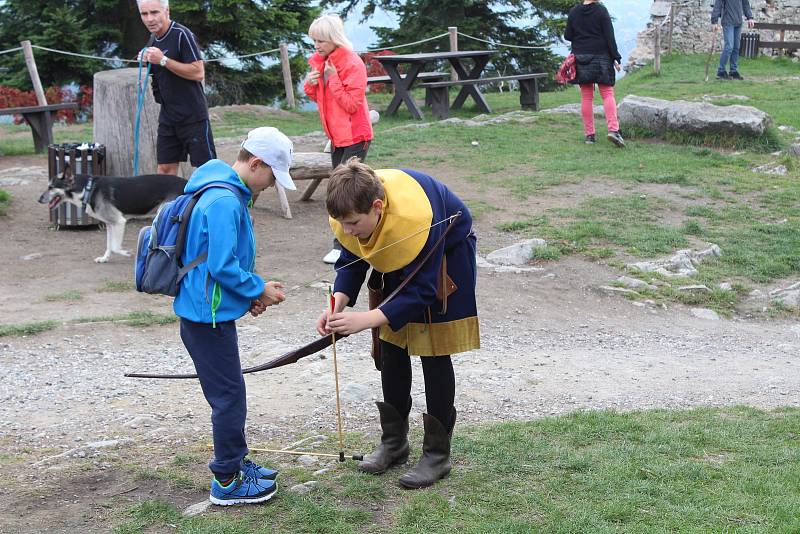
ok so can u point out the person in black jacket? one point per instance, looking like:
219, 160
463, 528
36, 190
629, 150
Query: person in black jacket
596, 57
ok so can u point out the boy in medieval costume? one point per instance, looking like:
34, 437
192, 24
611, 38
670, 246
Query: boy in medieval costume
417, 236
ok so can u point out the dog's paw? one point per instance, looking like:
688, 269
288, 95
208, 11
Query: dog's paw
124, 253
101, 259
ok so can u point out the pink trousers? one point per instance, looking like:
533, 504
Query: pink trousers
609, 107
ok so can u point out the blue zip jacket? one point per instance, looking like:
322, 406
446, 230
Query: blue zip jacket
222, 287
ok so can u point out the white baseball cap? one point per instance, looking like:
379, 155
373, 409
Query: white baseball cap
273, 148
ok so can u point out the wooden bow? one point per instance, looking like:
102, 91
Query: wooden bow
321, 343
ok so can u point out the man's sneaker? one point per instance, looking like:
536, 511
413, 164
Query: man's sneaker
253, 470
242, 490
735, 76
723, 76
332, 256
616, 138
590, 139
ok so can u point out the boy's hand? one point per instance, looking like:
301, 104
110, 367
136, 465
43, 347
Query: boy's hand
272, 294
257, 308
353, 322
322, 324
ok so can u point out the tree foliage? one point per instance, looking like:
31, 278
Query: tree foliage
112, 28
515, 22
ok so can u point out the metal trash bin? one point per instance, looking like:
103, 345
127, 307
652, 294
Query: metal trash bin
748, 47
84, 158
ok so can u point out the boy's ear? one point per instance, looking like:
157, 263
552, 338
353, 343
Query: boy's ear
377, 204
255, 162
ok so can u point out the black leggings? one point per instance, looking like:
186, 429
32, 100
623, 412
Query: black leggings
440, 383
341, 155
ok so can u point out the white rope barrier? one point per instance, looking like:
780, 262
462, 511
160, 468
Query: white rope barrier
114, 59
272, 51
264, 53
504, 44
408, 44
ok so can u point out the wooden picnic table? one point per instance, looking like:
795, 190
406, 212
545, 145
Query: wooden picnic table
40, 119
415, 62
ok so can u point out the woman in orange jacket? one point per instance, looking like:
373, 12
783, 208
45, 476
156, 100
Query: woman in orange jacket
337, 82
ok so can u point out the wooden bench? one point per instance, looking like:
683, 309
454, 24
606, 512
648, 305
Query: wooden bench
40, 119
440, 91
422, 76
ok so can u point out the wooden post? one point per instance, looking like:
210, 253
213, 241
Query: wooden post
287, 76
657, 50
453, 31
782, 36
672, 11
30, 62
284, 202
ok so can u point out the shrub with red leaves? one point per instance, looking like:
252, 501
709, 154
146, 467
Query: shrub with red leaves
374, 68
11, 97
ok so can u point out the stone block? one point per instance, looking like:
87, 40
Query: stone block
702, 117
644, 112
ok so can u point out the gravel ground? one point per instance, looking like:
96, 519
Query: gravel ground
590, 352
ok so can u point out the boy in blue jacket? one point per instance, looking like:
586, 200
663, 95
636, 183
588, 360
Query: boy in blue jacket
222, 289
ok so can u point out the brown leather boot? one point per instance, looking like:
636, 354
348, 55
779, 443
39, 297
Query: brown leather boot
393, 448
435, 461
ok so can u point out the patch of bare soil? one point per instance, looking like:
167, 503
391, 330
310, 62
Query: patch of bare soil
551, 344
252, 110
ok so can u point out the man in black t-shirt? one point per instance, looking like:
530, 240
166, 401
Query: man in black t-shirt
178, 72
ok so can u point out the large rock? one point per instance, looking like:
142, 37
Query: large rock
645, 112
702, 117
660, 116
517, 254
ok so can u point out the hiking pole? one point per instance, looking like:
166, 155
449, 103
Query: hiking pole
711, 53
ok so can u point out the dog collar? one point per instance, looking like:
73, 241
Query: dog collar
88, 191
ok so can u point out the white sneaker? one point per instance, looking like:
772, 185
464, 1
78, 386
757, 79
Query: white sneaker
332, 256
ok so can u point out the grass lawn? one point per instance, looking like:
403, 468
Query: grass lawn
705, 470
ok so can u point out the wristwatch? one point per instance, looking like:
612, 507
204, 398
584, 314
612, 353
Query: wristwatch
163, 61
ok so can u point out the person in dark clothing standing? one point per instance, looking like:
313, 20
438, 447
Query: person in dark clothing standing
729, 14
178, 72
596, 56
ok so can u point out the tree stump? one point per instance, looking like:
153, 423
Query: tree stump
115, 120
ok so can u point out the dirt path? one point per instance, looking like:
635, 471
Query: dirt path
551, 344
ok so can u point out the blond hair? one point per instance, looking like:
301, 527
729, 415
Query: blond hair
352, 188
330, 28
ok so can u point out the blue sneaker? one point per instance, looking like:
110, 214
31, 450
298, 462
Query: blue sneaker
253, 470
242, 490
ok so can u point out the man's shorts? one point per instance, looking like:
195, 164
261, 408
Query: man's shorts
175, 142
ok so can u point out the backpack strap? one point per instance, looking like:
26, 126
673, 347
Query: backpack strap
181, 239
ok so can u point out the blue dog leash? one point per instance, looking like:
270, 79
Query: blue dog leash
141, 89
